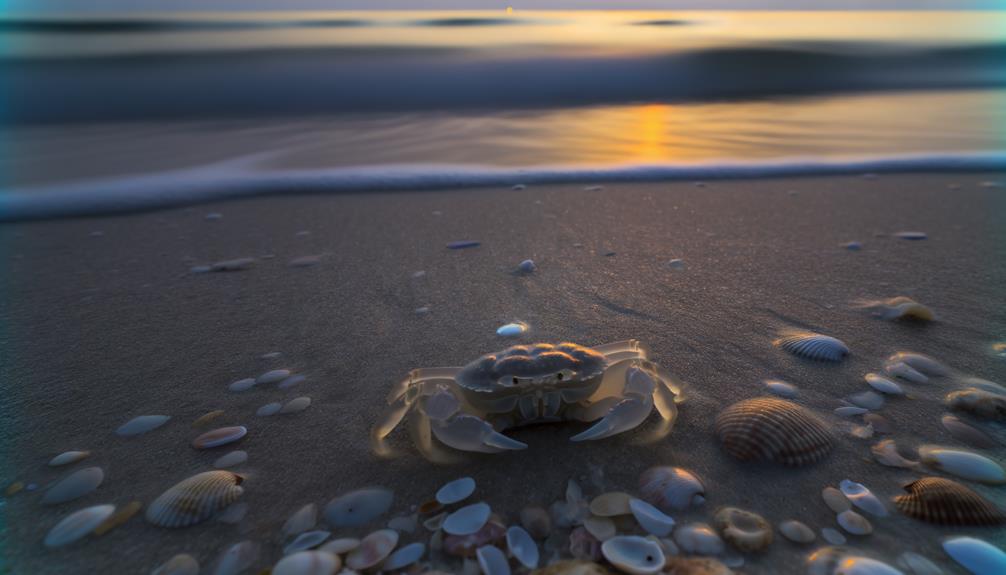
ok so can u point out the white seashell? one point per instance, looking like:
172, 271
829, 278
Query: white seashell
77, 484
886, 453
467, 520
964, 464
527, 266
236, 558
634, 554
273, 376
296, 405
512, 329
905, 371
601, 528
920, 363
269, 409
863, 498
850, 411
781, 388
219, 437
233, 514
359, 507
611, 504
671, 488
181, 564
977, 556
854, 523
698, 539
984, 385
812, 345
796, 531
522, 547
242, 385
839, 561
231, 459
291, 381
651, 519
77, 525
404, 557
340, 546
308, 563
883, 385
373, 549
455, 491
141, 424
833, 536
867, 400
435, 523
68, 457
916, 564
835, 499
195, 499
492, 561
305, 541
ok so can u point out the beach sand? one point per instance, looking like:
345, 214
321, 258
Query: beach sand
101, 327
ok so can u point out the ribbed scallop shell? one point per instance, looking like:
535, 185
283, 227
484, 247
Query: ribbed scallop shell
770, 429
812, 345
946, 502
195, 499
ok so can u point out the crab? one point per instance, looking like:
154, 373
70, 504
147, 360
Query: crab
467, 408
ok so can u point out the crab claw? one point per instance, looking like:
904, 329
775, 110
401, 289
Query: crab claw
627, 413
470, 433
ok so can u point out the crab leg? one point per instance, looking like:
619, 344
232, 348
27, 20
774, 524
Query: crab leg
627, 413
623, 350
420, 375
470, 433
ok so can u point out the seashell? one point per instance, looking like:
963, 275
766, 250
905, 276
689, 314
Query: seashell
967, 433
340, 546
77, 484
68, 457
77, 525
978, 402
305, 541
271, 355
466, 545
671, 488
404, 557
812, 345
883, 385
835, 500
527, 267
218, 437
975, 555
233, 265
850, 411
853, 246
651, 519
880, 423
308, 563
867, 400
920, 363
676, 264
236, 558
861, 497
602, 528
854, 523
121, 515
296, 405
781, 388
583, 545
634, 554
774, 430
947, 502
611, 504
195, 499
207, 417
373, 549
242, 385
291, 381
233, 514
797, 532
492, 561
357, 508
512, 329
435, 523
746, 531
839, 561
916, 564
900, 307
963, 464
273, 376
886, 453
141, 424
536, 521
522, 547
304, 261
574, 567
181, 564
833, 536
984, 384
455, 491
269, 409
231, 459
467, 520
698, 539
906, 372
695, 566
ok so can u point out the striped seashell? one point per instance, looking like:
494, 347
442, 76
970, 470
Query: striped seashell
195, 499
770, 429
812, 345
946, 502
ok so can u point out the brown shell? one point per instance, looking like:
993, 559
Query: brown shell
195, 499
946, 502
770, 429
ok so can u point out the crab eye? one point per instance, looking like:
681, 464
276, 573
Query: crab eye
515, 381
565, 374
559, 376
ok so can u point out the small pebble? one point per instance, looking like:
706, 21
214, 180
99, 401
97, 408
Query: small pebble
527, 266
853, 246
423, 310
676, 264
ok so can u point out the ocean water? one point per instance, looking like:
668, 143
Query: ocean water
121, 113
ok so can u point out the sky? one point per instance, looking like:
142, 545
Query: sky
76, 6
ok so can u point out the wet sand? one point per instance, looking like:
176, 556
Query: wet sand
99, 328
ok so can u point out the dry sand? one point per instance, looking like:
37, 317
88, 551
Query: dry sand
99, 329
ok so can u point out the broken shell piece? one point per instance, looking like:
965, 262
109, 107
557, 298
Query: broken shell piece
747, 531
651, 519
886, 453
898, 308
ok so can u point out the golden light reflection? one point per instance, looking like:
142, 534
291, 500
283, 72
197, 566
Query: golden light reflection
651, 131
